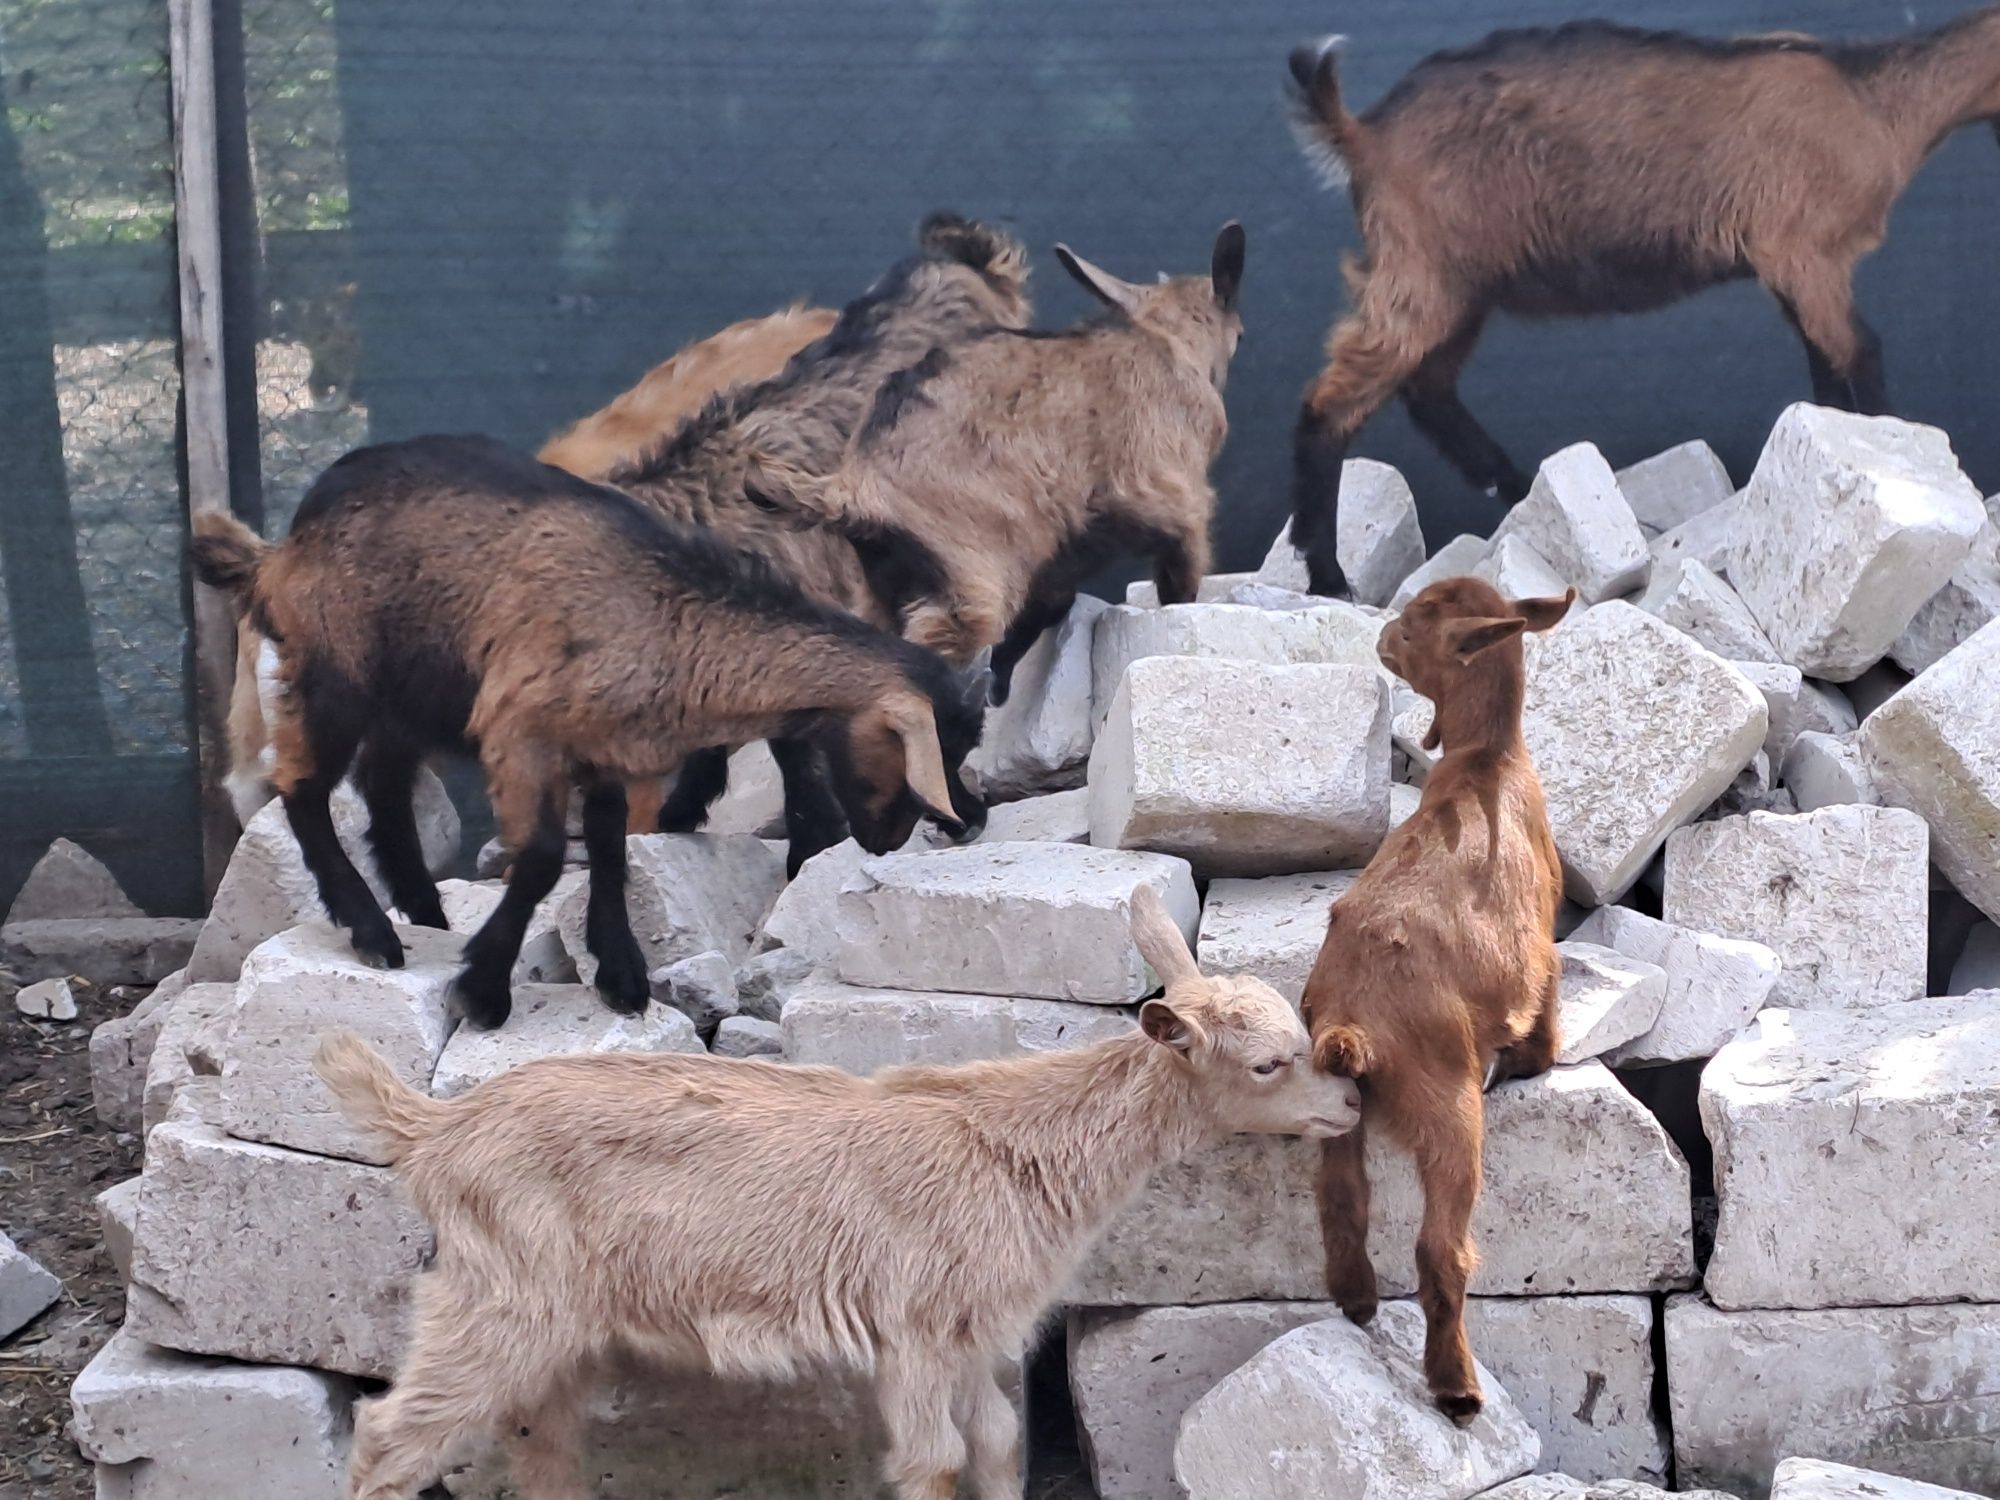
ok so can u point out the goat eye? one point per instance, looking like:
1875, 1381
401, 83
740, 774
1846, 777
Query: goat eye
1266, 1069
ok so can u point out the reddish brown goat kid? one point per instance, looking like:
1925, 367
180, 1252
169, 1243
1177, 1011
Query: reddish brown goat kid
1594, 168
1439, 964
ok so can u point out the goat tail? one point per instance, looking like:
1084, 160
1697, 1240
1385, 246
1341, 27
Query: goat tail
227, 554
371, 1095
1325, 131
1344, 1050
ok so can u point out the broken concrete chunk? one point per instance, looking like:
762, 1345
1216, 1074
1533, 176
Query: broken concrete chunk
26, 1288
1826, 770
702, 988
1455, 559
1934, 748
69, 882
1271, 928
1335, 1412
1967, 603
1714, 984
863, 1030
120, 1051
1674, 487
1841, 895
1376, 534
555, 1020
1848, 525
801, 920
1576, 518
117, 1213
168, 1070
1689, 596
1902, 1388
1813, 1114
747, 1036
767, 980
1520, 572
1038, 740
103, 951
1708, 538
1244, 769
1607, 999
544, 960
46, 1000
300, 985
1211, 588
1563, 1487
687, 893
1283, 567
1045, 921
1813, 1479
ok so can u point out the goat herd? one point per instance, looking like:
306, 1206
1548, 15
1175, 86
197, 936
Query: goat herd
811, 529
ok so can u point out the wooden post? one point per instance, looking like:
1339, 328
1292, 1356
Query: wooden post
198, 232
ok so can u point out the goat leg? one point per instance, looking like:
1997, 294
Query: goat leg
1318, 452
387, 776
1448, 1165
703, 776
814, 820
1441, 416
1043, 611
348, 901
1535, 1053
621, 963
531, 824
1343, 1224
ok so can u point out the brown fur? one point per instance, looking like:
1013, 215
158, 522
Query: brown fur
1440, 962
1595, 168
764, 1220
999, 455
745, 353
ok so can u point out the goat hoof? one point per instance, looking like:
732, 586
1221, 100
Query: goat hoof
1360, 1311
484, 1005
379, 948
622, 983
1461, 1406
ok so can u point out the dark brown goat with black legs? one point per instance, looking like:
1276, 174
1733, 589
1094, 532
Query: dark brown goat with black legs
451, 593
1594, 168
1439, 966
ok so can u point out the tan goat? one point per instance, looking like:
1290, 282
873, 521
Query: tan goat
1439, 964
765, 1220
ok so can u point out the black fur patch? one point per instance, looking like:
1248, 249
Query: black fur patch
899, 392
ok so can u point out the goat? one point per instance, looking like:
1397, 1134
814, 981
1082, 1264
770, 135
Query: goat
1439, 963
1595, 168
1012, 463
454, 594
762, 1219
745, 353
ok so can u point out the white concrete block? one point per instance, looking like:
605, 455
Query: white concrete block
1282, 565
1826, 770
1335, 1412
555, 1020
1042, 921
1456, 558
1211, 588
1781, 686
747, 1036
117, 1216
276, 1256
26, 1287
1714, 984
1520, 572
1607, 999
168, 1068
1377, 538
1579, 1368
1814, 1479
1271, 928
1854, 1160
544, 960
1903, 1389
1565, 1487
1675, 486
863, 1030
802, 918
303, 983
1848, 525
1040, 737
1575, 517
1583, 1193
1053, 818
1841, 895
46, 1000
121, 1049
1244, 769
1968, 602
68, 881
1708, 537
687, 893
1689, 596
1934, 748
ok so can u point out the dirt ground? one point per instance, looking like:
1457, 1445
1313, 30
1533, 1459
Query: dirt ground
54, 1160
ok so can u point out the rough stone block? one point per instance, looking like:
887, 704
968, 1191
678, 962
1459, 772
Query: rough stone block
1689, 596
1583, 1193
1634, 728
117, 1214
26, 1287
267, 889
1520, 572
1826, 770
1576, 518
1714, 984
303, 983
1848, 525
1608, 998
544, 960
702, 988
166, 1426
1271, 928
1812, 1479
1054, 818
1335, 1412
746, 1036
555, 1020
1456, 558
1044, 921
1579, 1368
1708, 537
1812, 1115
1934, 748
260, 1253
1244, 769
863, 1030
1841, 895
121, 1049
102, 950
1969, 602
46, 1000
1328, 632
168, 1069
1675, 486
1211, 588
687, 893
1377, 537
1902, 1389
68, 881
767, 980
1039, 738
802, 919
1563, 1487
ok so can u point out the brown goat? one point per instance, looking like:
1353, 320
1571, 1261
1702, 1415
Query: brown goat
452, 594
1594, 168
639, 420
765, 1220
1014, 462
1439, 964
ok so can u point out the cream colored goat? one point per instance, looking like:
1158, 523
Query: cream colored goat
765, 1220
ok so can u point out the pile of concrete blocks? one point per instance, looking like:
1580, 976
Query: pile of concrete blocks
1769, 734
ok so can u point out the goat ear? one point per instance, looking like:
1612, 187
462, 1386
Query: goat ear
1545, 614
1226, 265
1169, 1027
1465, 639
923, 763
1159, 938
1100, 283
